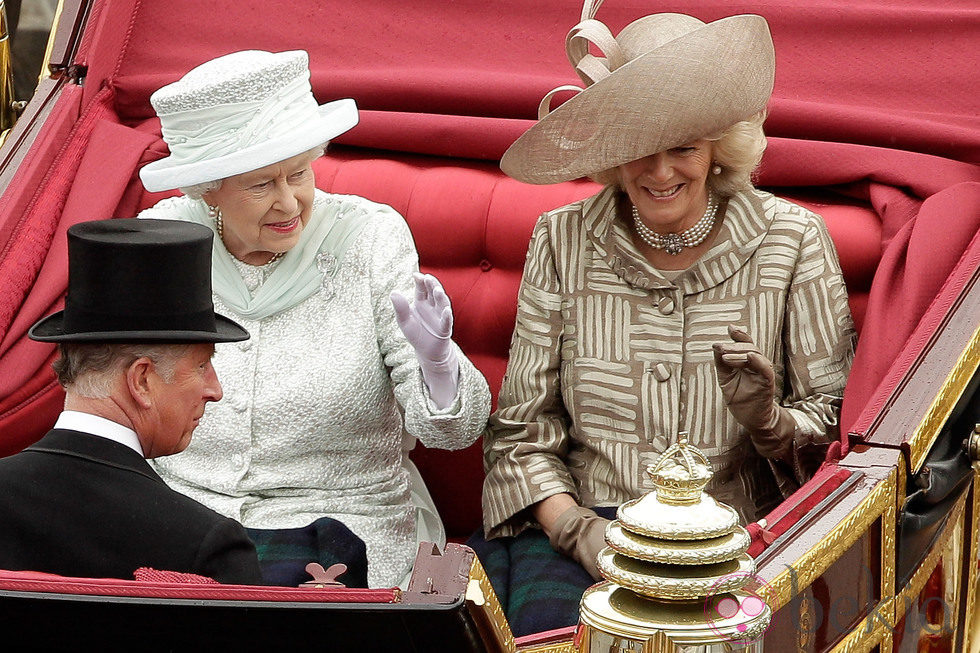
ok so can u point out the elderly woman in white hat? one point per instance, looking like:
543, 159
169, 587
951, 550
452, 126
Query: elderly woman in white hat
343, 371
678, 299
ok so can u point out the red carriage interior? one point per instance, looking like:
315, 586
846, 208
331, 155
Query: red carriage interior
869, 126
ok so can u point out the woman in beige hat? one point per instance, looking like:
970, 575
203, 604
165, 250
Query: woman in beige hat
679, 299
324, 402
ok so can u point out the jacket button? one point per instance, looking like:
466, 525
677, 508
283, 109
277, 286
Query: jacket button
661, 372
666, 305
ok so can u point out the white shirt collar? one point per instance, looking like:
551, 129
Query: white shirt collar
99, 426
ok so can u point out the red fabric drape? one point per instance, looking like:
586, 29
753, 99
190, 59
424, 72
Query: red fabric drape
925, 264
899, 73
85, 182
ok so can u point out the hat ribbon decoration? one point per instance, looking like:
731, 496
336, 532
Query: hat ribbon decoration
215, 131
588, 66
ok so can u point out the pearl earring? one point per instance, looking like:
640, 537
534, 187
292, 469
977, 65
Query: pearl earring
716, 170
215, 214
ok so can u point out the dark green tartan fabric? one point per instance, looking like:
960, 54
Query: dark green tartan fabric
538, 588
284, 553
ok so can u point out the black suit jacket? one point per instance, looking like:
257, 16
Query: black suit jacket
80, 505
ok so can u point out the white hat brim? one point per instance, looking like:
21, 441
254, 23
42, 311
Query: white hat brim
335, 118
690, 87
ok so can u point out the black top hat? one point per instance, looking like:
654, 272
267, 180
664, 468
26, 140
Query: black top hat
133, 280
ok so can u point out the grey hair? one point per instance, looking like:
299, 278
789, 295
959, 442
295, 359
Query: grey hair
89, 369
197, 191
737, 150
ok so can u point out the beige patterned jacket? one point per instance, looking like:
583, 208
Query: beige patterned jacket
610, 360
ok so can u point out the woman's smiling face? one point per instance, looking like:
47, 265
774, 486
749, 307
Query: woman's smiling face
265, 211
669, 188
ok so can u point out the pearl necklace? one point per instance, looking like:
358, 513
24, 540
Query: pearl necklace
672, 243
219, 226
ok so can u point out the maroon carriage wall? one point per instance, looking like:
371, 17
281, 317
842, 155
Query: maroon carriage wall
874, 116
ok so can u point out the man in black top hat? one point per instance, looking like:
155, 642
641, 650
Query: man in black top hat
136, 339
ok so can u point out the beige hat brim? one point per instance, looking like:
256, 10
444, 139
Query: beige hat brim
690, 87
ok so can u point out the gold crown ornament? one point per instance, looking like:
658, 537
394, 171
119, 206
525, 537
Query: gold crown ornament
672, 554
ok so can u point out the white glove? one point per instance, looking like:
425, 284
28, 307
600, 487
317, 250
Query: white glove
428, 326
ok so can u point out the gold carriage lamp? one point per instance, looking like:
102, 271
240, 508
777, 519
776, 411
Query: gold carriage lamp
676, 569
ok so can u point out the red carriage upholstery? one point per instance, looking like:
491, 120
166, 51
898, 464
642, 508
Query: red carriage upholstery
444, 88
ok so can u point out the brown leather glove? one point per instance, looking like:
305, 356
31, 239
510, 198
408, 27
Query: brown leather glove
580, 534
746, 378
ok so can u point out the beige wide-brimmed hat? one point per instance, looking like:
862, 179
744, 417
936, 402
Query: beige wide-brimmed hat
665, 80
240, 112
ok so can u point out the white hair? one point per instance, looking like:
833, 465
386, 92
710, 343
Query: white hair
197, 191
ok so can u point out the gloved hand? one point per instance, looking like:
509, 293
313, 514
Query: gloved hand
746, 378
428, 326
580, 534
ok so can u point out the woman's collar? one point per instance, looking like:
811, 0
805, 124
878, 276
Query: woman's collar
746, 220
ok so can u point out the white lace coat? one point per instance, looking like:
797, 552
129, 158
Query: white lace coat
311, 423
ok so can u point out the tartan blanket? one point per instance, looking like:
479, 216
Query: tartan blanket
538, 588
284, 553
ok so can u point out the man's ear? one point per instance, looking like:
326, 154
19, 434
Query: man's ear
138, 381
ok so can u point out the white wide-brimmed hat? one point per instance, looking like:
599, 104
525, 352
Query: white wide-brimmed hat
665, 80
238, 113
